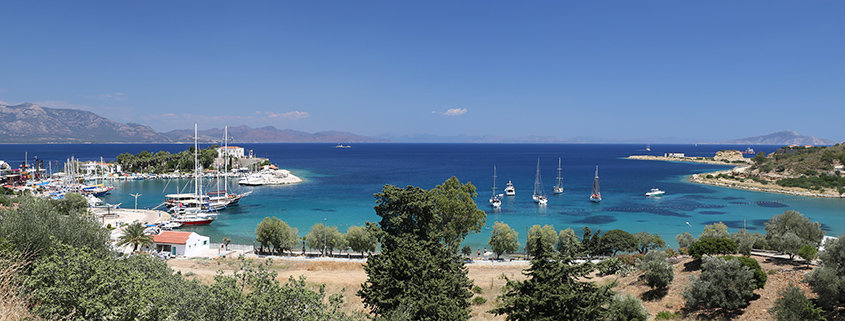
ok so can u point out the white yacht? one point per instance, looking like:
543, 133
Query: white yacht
655, 192
509, 190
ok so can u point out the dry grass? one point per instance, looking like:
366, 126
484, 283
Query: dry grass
13, 305
349, 276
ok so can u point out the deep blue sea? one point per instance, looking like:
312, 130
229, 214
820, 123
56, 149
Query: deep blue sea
340, 183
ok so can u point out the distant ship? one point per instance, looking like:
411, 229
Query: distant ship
648, 148
748, 150
596, 196
342, 146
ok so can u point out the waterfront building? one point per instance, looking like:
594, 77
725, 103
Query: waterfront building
187, 244
235, 151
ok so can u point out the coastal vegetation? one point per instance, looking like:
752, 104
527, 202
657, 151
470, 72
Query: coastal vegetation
60, 265
817, 168
165, 162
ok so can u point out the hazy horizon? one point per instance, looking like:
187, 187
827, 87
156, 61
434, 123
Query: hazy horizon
695, 72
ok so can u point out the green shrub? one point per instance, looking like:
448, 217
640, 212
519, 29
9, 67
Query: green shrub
667, 315
759, 276
793, 305
712, 246
477, 290
627, 308
657, 272
827, 280
609, 266
808, 253
723, 284
479, 300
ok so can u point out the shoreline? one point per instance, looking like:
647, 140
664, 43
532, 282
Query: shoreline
748, 184
701, 160
751, 185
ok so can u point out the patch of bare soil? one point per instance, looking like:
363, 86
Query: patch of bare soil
348, 277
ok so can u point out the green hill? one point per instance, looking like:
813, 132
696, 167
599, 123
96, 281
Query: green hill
814, 168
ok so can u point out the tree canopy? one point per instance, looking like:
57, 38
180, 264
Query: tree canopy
419, 274
504, 239
541, 239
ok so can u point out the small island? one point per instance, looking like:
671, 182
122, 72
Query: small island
815, 171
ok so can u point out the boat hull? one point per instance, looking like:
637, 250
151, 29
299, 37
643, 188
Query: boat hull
197, 222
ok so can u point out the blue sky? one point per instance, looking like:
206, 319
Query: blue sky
703, 71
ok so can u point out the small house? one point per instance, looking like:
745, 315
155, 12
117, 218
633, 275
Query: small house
187, 244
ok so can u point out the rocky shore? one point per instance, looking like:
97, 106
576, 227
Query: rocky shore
714, 179
703, 160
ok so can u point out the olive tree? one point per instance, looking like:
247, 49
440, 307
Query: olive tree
646, 242
504, 239
790, 231
568, 244
723, 284
541, 239
828, 279
360, 239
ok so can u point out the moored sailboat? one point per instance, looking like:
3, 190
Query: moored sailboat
538, 195
559, 187
495, 199
596, 196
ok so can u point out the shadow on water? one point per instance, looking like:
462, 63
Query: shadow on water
712, 212
664, 208
598, 219
736, 224
324, 210
771, 204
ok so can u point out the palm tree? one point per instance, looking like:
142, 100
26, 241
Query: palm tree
134, 234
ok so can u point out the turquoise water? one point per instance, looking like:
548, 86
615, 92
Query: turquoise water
340, 184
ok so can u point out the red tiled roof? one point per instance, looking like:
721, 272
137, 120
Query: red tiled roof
172, 237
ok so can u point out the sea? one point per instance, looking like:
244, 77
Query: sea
340, 184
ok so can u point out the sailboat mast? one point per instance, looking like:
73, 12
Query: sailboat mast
559, 177
596, 189
537, 185
494, 180
226, 159
196, 164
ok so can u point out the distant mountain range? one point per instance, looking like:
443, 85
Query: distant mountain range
786, 137
30, 123
267, 134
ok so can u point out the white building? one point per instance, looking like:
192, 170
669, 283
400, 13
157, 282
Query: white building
231, 151
676, 155
187, 244
92, 168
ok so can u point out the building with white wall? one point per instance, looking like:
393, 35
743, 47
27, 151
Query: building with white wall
187, 244
231, 151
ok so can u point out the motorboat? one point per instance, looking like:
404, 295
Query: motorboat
655, 192
509, 189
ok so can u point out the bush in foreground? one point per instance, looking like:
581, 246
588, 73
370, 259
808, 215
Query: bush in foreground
793, 305
723, 284
828, 280
712, 246
627, 308
657, 272
760, 277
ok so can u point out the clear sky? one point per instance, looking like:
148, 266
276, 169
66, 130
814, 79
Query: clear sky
703, 70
